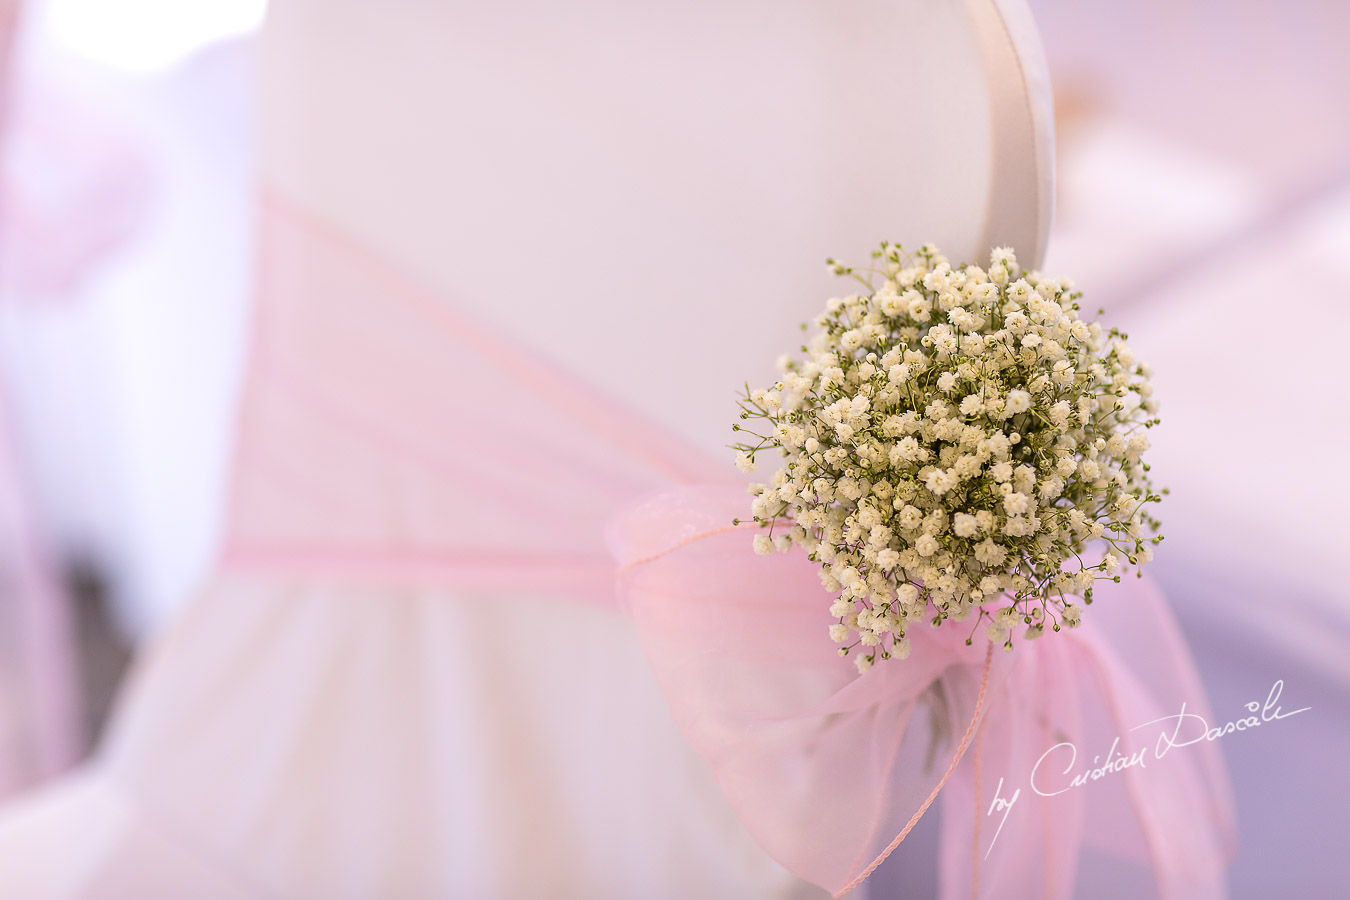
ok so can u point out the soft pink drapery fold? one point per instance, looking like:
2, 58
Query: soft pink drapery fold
470, 449
1173, 816
73, 187
420, 444
413, 496
39, 719
827, 768
405, 481
75, 190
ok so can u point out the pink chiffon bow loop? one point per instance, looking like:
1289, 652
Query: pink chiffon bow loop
1063, 728
998, 838
826, 768
829, 769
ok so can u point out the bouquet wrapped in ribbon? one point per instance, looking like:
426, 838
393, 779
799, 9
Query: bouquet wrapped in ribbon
960, 466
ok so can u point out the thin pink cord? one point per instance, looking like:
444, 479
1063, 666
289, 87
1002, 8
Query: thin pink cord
960, 752
712, 532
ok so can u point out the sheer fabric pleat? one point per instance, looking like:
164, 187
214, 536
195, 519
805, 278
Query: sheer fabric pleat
828, 768
40, 733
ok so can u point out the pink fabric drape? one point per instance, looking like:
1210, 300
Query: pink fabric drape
386, 437
827, 768
385, 434
417, 498
39, 726
404, 472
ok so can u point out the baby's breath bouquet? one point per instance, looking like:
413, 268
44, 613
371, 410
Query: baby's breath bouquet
951, 445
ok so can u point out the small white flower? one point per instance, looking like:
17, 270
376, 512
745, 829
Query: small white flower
967, 466
908, 450
971, 405
1051, 487
763, 544
989, 553
964, 525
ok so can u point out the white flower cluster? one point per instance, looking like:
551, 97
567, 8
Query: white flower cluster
951, 443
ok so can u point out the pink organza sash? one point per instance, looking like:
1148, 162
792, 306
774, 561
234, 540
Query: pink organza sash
388, 437
828, 768
40, 733
39, 696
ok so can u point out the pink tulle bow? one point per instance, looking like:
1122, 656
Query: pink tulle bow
829, 769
